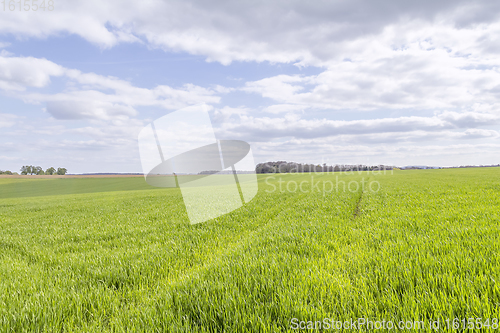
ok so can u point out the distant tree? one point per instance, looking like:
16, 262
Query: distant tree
38, 170
7, 172
50, 171
61, 171
29, 170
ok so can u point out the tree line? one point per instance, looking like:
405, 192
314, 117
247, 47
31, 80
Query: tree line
292, 167
36, 170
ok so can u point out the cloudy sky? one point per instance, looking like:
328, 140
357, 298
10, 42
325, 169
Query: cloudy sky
358, 81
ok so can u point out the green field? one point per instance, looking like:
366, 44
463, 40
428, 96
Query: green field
96, 255
32, 187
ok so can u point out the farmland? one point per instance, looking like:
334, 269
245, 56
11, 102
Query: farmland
105, 254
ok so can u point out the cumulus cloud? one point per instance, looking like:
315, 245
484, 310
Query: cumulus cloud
284, 108
122, 101
470, 119
308, 32
389, 153
92, 96
73, 109
224, 114
409, 128
375, 55
406, 79
17, 73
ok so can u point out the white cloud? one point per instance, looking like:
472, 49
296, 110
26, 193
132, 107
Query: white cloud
475, 133
261, 129
92, 95
308, 32
384, 55
73, 109
284, 108
281, 88
470, 119
402, 79
17, 73
330, 151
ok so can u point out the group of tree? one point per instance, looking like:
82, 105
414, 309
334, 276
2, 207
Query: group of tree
292, 167
7, 172
37, 170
